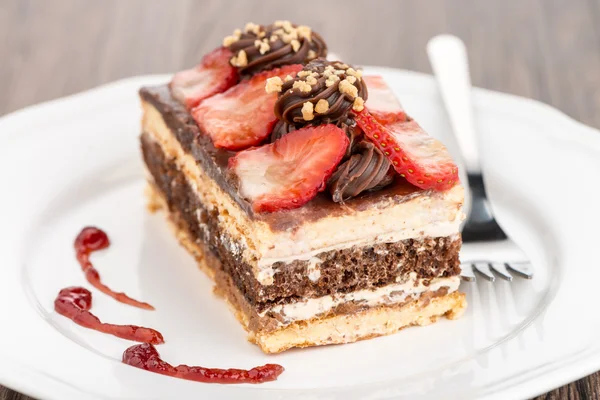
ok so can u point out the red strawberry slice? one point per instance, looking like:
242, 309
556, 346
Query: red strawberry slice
382, 102
213, 75
423, 160
243, 115
290, 171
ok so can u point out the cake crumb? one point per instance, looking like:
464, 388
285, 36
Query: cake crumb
240, 60
307, 111
322, 106
359, 104
346, 87
351, 79
288, 78
304, 74
295, 45
312, 54
273, 38
311, 80
302, 86
273, 85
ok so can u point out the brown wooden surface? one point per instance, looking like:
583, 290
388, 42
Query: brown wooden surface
545, 49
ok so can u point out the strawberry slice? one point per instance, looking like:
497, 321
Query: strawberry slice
290, 171
382, 102
243, 115
213, 75
423, 160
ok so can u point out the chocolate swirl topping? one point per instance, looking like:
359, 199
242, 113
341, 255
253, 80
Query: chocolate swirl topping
366, 169
322, 93
260, 48
328, 93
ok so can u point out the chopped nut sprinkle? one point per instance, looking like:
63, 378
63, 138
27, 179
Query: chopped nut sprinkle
229, 40
252, 28
322, 106
312, 54
240, 60
311, 80
339, 72
289, 37
273, 38
303, 86
346, 87
307, 111
332, 80
264, 47
352, 72
351, 79
304, 32
273, 85
303, 74
287, 26
288, 78
359, 104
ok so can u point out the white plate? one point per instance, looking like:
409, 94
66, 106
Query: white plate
75, 162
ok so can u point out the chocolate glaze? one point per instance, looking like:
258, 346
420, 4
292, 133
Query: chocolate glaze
214, 163
280, 52
366, 169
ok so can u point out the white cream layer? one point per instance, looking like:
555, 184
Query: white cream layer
392, 294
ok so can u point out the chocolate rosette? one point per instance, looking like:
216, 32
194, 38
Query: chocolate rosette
366, 169
258, 48
323, 92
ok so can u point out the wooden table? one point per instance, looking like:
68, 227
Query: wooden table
544, 49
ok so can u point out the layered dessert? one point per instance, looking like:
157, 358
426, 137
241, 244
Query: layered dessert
321, 210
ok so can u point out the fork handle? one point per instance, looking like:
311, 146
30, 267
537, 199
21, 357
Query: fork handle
448, 57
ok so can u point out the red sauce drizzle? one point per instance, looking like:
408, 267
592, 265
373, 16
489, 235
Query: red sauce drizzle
75, 303
92, 239
146, 357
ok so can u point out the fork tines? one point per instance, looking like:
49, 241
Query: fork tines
489, 270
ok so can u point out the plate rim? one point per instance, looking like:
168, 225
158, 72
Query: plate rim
580, 366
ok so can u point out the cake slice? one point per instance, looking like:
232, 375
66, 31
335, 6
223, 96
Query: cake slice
291, 201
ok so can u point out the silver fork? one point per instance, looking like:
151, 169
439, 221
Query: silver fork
489, 251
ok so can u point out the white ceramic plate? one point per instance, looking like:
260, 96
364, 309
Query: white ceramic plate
75, 162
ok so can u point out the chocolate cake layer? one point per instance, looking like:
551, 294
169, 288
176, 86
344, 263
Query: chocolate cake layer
214, 162
341, 271
344, 324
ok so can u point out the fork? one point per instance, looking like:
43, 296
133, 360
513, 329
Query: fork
481, 233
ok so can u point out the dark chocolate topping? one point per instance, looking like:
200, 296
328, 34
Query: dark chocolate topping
260, 48
323, 92
366, 169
